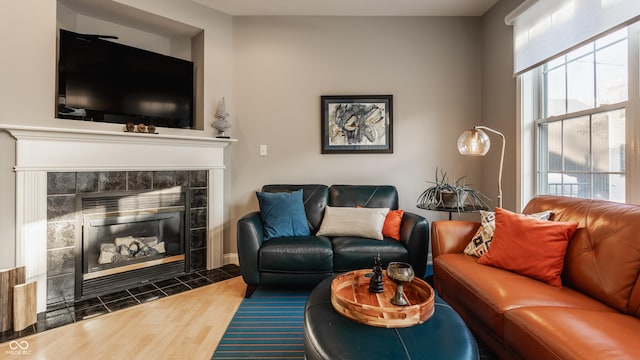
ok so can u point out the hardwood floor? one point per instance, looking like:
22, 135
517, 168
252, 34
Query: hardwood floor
188, 325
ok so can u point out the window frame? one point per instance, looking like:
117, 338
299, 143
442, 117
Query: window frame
530, 104
591, 172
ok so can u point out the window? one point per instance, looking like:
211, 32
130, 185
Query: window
578, 104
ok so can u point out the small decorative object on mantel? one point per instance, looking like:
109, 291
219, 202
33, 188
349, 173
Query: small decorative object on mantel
400, 273
376, 284
221, 123
457, 196
140, 128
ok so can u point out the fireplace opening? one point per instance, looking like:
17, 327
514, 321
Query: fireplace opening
116, 242
129, 239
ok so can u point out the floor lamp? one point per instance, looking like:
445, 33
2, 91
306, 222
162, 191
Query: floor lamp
475, 142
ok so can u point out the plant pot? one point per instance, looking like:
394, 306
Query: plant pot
452, 200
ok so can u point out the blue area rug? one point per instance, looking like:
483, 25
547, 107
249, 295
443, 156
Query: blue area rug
266, 326
269, 325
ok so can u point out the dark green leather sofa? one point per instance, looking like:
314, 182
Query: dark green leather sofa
310, 259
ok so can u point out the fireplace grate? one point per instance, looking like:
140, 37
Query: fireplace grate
125, 280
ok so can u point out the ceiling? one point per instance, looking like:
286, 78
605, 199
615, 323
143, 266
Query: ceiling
117, 12
351, 7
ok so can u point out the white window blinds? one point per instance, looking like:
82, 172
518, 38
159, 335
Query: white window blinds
546, 28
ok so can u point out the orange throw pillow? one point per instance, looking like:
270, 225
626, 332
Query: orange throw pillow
392, 224
528, 246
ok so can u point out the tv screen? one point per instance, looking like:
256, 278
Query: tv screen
99, 80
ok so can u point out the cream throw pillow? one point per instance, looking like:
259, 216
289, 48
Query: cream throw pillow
348, 221
481, 241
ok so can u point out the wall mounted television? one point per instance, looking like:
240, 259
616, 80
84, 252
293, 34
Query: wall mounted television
103, 81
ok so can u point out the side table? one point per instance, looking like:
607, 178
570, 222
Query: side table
466, 209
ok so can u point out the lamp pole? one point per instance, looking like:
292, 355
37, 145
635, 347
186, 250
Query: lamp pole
480, 127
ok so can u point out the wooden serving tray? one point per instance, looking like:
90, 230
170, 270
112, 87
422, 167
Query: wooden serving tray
350, 297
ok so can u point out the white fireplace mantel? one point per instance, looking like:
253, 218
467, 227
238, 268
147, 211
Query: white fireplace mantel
40, 150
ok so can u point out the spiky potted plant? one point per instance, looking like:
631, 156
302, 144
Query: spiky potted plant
457, 195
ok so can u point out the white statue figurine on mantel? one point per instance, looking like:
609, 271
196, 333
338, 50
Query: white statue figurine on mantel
221, 123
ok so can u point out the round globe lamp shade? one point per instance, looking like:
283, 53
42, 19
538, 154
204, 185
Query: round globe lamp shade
474, 142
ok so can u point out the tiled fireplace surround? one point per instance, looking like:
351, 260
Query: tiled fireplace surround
62, 188
53, 165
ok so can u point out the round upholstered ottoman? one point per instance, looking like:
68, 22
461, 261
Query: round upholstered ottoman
329, 335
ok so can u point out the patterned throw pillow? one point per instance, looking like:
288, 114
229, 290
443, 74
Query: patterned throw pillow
481, 241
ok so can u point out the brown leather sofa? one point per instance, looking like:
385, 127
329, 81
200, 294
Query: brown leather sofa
595, 315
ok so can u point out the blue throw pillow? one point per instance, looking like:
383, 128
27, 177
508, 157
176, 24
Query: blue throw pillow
283, 214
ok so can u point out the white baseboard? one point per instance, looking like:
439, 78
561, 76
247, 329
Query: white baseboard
231, 259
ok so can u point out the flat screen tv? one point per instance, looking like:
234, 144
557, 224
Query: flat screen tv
100, 80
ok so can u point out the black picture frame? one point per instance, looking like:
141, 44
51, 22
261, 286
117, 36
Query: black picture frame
353, 124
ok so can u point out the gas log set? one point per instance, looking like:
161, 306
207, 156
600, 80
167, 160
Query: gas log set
130, 248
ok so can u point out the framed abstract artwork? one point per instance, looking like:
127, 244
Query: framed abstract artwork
357, 124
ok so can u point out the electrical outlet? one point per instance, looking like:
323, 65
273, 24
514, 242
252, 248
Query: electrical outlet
263, 150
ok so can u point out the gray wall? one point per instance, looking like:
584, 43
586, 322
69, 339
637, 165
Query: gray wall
282, 65
499, 109
445, 73
7, 201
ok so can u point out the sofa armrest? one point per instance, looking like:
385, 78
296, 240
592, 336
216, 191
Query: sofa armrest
414, 234
451, 237
250, 236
